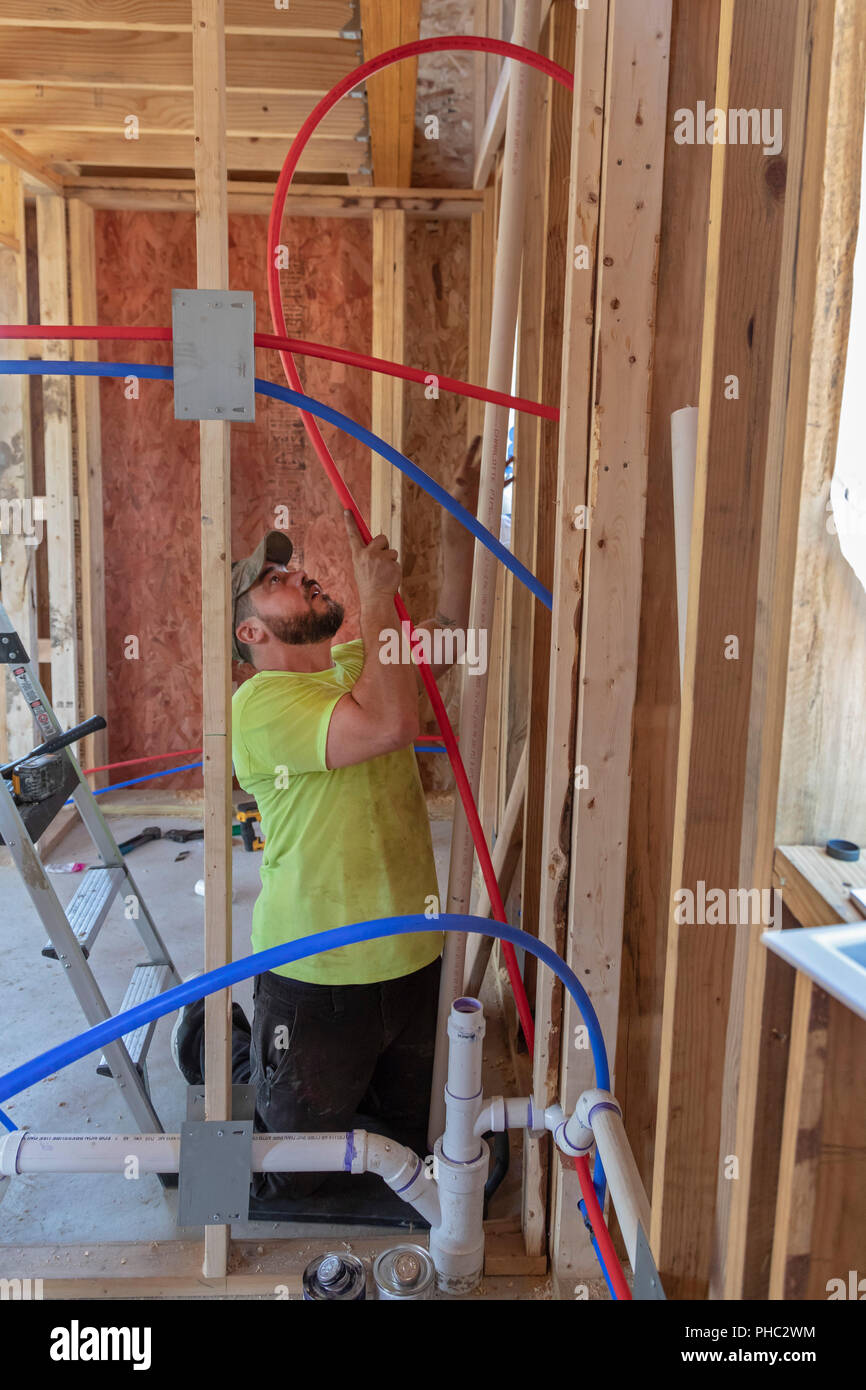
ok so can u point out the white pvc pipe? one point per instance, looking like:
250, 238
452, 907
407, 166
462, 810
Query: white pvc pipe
503, 1112
464, 1092
601, 1113
352, 1152
460, 1157
25, 1152
457, 1242
309, 1153
569, 1135
506, 291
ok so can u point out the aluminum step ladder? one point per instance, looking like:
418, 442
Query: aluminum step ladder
73, 931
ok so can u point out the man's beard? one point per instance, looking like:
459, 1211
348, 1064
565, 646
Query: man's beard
311, 627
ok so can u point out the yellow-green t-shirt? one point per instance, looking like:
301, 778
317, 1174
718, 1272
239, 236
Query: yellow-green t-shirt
348, 844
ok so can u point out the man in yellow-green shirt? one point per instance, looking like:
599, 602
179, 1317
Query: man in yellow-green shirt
322, 738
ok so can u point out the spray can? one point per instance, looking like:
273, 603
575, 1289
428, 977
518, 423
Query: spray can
406, 1272
335, 1278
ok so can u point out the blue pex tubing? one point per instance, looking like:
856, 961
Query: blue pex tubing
95, 1039
35, 367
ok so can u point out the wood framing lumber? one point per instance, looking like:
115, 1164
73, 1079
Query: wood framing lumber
505, 857
155, 151
555, 774
57, 831
819, 1217
493, 131
821, 782
676, 380
630, 218
303, 18
480, 25
839, 1220
553, 219
804, 1092
88, 441
389, 307
391, 93
507, 1255
60, 57
518, 602
819, 1202
257, 1268
35, 175
314, 200
728, 748
59, 488
742, 1258
19, 530
209, 67
474, 691
108, 111
815, 888
482, 252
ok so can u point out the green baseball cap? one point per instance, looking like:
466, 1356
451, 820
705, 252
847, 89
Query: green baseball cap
274, 548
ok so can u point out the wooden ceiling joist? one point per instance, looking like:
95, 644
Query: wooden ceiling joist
176, 151
391, 93
166, 112
163, 59
305, 18
253, 196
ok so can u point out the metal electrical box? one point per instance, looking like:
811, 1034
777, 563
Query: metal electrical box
214, 357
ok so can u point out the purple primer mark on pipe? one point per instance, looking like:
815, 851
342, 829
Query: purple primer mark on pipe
603, 1105
351, 1151
467, 1005
453, 1097
398, 1190
462, 1162
529, 1124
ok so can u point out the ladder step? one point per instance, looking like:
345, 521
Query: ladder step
147, 981
88, 908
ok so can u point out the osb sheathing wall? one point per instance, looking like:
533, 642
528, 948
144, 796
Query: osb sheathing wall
150, 460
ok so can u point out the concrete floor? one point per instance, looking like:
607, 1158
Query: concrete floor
40, 1011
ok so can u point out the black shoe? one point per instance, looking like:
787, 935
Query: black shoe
186, 1039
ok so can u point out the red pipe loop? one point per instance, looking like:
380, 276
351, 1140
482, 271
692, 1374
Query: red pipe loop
394, 55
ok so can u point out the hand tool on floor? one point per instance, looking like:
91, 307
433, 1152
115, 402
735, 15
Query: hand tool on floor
152, 832
182, 836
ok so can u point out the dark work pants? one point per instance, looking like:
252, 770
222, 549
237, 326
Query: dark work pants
338, 1057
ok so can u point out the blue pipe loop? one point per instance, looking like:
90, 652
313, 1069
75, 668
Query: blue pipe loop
149, 371
96, 1038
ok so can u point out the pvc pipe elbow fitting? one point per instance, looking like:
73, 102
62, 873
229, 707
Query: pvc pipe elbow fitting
569, 1136
501, 1113
591, 1101
9, 1147
405, 1174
